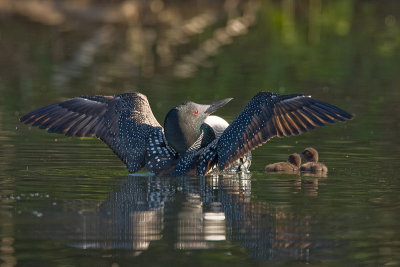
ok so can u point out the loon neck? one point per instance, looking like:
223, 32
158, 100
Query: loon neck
180, 132
183, 124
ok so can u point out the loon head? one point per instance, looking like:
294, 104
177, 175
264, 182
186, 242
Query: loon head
310, 154
295, 159
182, 125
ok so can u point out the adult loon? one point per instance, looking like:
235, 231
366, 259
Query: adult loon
192, 142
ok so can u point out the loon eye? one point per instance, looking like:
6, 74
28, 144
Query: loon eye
196, 112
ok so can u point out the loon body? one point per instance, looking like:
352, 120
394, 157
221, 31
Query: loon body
192, 142
292, 165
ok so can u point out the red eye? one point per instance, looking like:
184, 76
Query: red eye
195, 112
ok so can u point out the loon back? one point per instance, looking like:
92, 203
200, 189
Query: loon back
127, 125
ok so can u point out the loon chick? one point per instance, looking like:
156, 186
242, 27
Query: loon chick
312, 165
192, 141
290, 166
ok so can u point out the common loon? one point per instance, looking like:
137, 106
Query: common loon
192, 142
292, 165
312, 165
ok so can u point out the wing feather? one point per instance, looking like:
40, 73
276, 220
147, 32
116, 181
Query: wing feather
124, 122
268, 115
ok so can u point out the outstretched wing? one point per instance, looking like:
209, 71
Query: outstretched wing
124, 122
268, 115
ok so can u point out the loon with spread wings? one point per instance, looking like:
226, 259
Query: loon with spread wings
192, 141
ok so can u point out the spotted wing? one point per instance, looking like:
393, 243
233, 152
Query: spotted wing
208, 159
124, 122
159, 155
268, 115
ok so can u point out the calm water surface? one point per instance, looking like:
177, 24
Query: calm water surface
71, 202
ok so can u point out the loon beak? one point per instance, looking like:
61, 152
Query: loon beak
216, 105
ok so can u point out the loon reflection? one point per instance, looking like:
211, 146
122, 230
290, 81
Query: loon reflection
203, 213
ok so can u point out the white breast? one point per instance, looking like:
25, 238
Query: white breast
218, 124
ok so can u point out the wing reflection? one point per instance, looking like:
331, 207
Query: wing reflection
198, 213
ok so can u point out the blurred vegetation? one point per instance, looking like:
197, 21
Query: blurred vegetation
193, 49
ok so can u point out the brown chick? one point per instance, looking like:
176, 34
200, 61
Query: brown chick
290, 166
312, 165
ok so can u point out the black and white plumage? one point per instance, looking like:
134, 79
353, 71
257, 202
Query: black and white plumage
124, 122
192, 141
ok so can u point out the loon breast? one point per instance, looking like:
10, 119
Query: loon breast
217, 124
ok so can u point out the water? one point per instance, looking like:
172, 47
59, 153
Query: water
70, 201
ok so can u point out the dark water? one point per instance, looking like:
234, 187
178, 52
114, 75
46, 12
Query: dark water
70, 201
